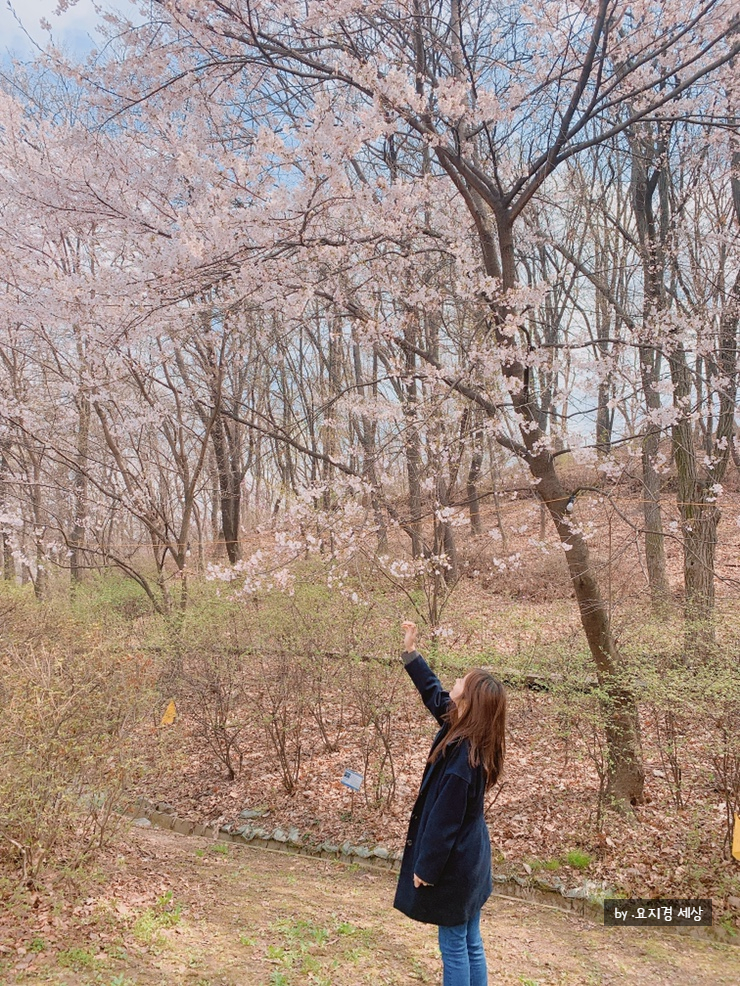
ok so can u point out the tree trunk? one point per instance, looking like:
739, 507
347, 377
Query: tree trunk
474, 474
699, 521
647, 152
413, 450
626, 776
41, 580
604, 418
700, 544
654, 537
604, 413
79, 527
444, 533
8, 562
366, 430
229, 489
224, 440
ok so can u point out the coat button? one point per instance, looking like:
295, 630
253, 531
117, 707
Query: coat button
409, 842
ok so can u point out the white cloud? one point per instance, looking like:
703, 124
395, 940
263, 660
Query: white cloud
75, 27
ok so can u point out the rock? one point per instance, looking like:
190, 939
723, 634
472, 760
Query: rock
254, 813
183, 826
259, 833
245, 831
294, 837
588, 891
381, 852
160, 819
279, 836
144, 823
347, 848
578, 893
362, 851
329, 847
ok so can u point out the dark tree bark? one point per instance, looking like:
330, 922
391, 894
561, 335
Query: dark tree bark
226, 435
649, 163
77, 538
8, 563
700, 515
412, 443
366, 430
474, 474
229, 485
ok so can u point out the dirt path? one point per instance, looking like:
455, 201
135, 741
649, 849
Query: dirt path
172, 911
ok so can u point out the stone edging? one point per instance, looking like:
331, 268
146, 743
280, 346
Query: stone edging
585, 900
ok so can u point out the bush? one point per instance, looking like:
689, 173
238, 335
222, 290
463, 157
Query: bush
72, 752
695, 711
283, 702
374, 690
213, 688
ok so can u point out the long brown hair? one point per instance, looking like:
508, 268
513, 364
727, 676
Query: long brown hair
482, 722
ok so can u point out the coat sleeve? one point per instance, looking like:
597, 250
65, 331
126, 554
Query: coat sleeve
442, 828
430, 688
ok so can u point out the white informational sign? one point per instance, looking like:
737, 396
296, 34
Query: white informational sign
352, 780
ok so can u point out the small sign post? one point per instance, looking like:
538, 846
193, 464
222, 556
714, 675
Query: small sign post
352, 780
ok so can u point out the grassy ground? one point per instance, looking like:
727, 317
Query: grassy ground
167, 910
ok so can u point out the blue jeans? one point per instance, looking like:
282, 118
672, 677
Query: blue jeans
463, 958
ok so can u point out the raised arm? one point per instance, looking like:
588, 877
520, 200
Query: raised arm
433, 695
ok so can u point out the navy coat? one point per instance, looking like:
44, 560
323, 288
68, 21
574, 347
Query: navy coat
447, 843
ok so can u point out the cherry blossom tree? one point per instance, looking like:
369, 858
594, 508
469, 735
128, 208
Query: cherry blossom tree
501, 98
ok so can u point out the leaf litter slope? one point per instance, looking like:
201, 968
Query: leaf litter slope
245, 917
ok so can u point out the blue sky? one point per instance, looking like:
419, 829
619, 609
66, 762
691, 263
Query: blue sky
75, 28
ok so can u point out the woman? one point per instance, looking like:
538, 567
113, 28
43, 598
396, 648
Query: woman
446, 869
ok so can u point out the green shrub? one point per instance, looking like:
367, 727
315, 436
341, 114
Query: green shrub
577, 859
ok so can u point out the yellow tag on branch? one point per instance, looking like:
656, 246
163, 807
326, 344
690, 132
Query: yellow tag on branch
736, 838
169, 714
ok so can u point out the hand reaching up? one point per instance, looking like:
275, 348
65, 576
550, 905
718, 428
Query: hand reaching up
409, 636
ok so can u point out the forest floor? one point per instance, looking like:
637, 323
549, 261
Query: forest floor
166, 910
